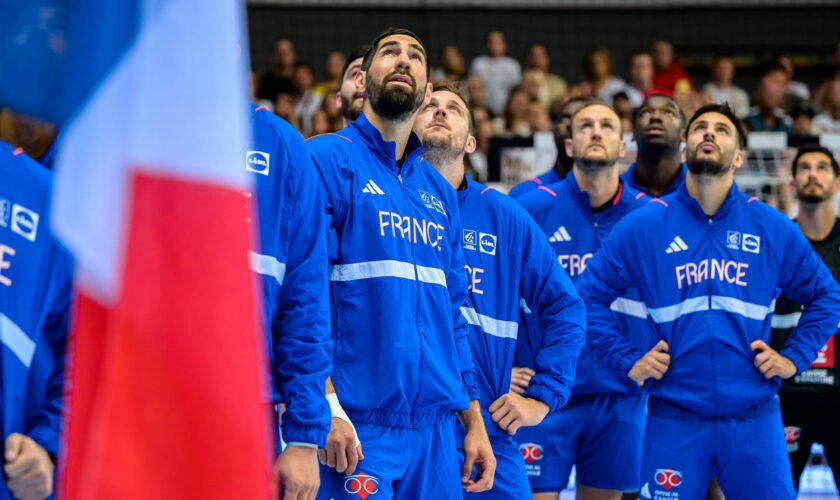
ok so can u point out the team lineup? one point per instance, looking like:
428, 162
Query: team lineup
656, 329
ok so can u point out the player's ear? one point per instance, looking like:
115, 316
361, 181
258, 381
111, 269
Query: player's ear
338, 100
428, 96
622, 149
359, 80
471, 144
739, 158
569, 150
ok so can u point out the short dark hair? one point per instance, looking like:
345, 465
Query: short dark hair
356, 54
448, 87
726, 111
815, 148
374, 46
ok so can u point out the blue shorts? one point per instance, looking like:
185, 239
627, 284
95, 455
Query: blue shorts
399, 463
511, 480
601, 434
746, 452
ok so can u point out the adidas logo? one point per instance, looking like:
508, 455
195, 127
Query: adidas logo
372, 188
677, 245
560, 235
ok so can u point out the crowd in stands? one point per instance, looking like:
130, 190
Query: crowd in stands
520, 99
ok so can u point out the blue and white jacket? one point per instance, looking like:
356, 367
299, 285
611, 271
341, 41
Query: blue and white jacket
397, 282
35, 294
508, 258
292, 260
576, 233
709, 285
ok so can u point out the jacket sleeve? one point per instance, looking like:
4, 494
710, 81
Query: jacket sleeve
805, 279
45, 426
301, 330
456, 282
549, 291
605, 279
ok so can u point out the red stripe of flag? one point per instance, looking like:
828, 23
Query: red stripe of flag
168, 385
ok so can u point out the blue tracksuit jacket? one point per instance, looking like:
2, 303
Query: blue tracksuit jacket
35, 293
627, 178
709, 285
397, 281
508, 257
292, 259
563, 213
533, 183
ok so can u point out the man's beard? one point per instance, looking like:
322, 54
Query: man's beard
813, 198
705, 166
440, 152
348, 110
592, 166
395, 103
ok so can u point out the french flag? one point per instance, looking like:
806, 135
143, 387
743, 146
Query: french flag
166, 392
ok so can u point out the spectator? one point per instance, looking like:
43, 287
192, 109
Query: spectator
803, 116
516, 113
333, 65
769, 116
600, 81
498, 71
624, 109
284, 107
475, 92
793, 87
538, 119
320, 123
723, 90
537, 59
533, 82
669, 74
306, 100
780, 74
279, 78
453, 70
483, 132
828, 122
329, 105
641, 78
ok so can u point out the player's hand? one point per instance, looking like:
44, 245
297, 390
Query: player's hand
341, 452
297, 470
28, 467
770, 363
512, 411
520, 378
654, 364
478, 453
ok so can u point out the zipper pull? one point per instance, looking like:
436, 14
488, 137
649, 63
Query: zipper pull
399, 177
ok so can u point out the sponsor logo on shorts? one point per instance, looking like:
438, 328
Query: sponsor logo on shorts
470, 239
668, 478
361, 485
257, 162
792, 434
531, 452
